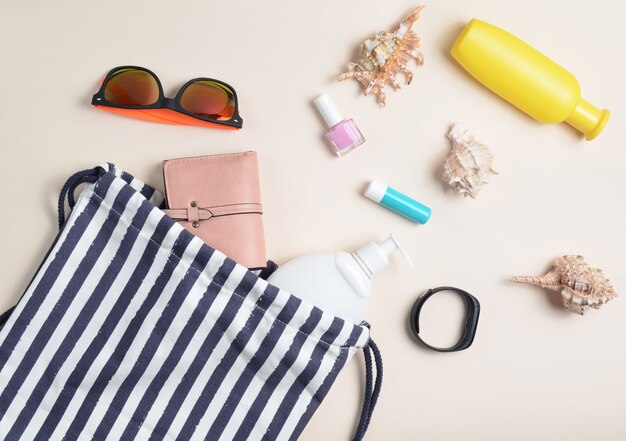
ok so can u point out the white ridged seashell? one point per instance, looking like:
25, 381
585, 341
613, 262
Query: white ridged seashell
469, 163
581, 286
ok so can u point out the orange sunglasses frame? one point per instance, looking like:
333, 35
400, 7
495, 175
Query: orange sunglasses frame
166, 110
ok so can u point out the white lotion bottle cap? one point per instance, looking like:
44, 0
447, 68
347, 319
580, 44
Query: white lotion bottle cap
376, 190
328, 110
374, 257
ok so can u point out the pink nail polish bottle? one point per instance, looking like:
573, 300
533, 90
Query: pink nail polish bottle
343, 135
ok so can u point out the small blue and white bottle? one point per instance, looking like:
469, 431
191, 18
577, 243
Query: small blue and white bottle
398, 202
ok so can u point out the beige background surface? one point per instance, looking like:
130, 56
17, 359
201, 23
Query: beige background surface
535, 371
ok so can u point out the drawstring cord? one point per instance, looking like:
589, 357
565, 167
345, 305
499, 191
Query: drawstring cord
91, 176
82, 177
372, 390
5, 316
266, 272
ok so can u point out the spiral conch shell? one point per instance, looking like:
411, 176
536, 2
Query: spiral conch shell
580, 285
384, 55
469, 163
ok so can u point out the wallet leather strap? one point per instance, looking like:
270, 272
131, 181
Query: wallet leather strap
195, 214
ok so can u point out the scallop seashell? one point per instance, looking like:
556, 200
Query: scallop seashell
469, 163
384, 55
581, 286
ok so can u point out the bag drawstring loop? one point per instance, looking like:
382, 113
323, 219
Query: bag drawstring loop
372, 389
82, 177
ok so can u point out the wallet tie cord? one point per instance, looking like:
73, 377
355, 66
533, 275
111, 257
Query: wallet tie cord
195, 213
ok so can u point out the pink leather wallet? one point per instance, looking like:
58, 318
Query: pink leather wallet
218, 199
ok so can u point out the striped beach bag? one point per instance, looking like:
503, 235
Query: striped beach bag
134, 329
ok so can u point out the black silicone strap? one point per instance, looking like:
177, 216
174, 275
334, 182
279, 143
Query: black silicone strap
471, 318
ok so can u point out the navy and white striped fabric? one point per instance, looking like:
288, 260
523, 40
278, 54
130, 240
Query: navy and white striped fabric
133, 328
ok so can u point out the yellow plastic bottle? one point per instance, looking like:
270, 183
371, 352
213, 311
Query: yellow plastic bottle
525, 77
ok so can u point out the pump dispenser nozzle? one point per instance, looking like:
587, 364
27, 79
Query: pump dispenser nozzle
374, 257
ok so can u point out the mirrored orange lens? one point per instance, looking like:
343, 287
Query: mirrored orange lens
209, 100
131, 87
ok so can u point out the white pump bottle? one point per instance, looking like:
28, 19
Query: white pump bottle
339, 283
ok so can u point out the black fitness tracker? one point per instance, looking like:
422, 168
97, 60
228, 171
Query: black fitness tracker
471, 318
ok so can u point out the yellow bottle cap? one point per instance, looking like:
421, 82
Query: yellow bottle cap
588, 119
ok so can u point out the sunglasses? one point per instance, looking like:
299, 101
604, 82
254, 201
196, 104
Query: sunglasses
137, 92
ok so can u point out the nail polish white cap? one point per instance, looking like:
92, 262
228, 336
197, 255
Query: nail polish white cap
328, 110
376, 190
